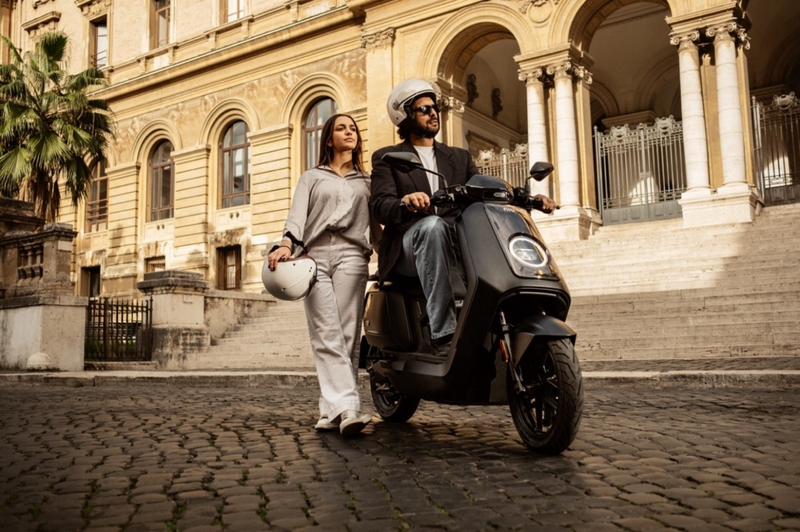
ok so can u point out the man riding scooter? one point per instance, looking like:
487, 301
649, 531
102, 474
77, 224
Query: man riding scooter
418, 241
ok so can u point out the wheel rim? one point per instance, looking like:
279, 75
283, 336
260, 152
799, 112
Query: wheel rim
385, 396
538, 402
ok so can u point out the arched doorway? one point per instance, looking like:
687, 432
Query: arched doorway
636, 113
774, 76
485, 99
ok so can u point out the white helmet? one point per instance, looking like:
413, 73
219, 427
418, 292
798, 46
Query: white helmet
405, 93
292, 279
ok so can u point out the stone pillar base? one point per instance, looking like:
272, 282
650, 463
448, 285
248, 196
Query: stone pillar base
179, 331
43, 332
568, 224
721, 209
175, 346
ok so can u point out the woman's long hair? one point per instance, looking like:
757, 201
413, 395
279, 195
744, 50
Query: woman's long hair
326, 152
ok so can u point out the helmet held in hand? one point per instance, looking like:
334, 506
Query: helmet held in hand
292, 279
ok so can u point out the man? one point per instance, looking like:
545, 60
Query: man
417, 240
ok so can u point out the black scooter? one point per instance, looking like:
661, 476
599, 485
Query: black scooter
511, 345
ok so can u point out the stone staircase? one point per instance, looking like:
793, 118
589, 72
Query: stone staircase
657, 290
275, 339
640, 291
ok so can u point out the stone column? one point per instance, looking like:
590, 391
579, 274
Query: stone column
729, 106
537, 129
695, 143
567, 165
179, 330
126, 198
190, 224
453, 130
270, 196
379, 47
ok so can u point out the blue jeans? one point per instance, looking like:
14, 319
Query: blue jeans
430, 253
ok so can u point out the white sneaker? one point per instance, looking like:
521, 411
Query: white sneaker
326, 424
353, 422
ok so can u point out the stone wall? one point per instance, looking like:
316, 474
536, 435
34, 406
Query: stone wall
41, 322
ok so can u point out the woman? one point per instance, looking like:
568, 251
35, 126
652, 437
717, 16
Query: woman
330, 215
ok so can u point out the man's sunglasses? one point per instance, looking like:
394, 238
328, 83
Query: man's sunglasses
426, 109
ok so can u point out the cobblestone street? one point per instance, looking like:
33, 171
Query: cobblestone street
159, 458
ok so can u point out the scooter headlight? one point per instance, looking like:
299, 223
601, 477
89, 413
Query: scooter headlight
529, 252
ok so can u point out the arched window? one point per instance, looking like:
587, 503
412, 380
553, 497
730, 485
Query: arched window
321, 111
234, 159
97, 202
162, 182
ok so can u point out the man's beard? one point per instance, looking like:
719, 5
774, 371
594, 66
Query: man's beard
423, 131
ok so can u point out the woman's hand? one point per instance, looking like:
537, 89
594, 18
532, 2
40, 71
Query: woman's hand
416, 201
279, 255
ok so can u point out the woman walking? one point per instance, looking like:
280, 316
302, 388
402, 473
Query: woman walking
330, 215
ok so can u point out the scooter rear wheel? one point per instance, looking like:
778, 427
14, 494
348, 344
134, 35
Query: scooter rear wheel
547, 412
389, 403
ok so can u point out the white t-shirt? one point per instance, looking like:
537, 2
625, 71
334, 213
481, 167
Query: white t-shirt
428, 159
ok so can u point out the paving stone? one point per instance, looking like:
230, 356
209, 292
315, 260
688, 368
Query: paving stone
678, 460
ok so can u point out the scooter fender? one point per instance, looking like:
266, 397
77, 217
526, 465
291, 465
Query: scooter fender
538, 326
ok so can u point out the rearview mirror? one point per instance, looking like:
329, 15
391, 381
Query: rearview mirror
402, 160
540, 170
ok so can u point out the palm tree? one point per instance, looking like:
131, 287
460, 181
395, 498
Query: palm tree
50, 126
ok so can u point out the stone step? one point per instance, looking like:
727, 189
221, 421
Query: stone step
291, 325
679, 321
755, 350
272, 335
605, 306
603, 289
693, 340
678, 332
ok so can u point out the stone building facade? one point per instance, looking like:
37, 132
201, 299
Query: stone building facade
218, 103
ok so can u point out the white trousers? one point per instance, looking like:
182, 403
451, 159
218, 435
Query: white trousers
334, 310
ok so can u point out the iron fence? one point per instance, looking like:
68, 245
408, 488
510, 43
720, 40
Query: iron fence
510, 165
777, 148
118, 330
640, 172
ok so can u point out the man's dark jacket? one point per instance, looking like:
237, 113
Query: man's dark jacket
390, 185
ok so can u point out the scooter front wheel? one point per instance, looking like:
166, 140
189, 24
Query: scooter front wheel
547, 411
389, 403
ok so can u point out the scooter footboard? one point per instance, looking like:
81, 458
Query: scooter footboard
541, 326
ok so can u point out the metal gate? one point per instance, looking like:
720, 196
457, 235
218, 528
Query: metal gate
640, 172
510, 165
118, 330
777, 148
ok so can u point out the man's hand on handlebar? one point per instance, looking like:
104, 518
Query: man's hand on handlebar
416, 201
544, 204
548, 205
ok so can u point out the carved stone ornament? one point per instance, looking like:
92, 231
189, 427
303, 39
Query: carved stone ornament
531, 76
784, 102
569, 69
665, 125
730, 31
93, 8
526, 4
45, 23
685, 40
378, 39
450, 103
560, 70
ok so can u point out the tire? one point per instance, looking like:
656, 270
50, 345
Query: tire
391, 405
547, 414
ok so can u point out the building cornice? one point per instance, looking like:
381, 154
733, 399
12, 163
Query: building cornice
225, 55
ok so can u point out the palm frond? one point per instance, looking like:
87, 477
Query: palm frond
49, 126
15, 164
